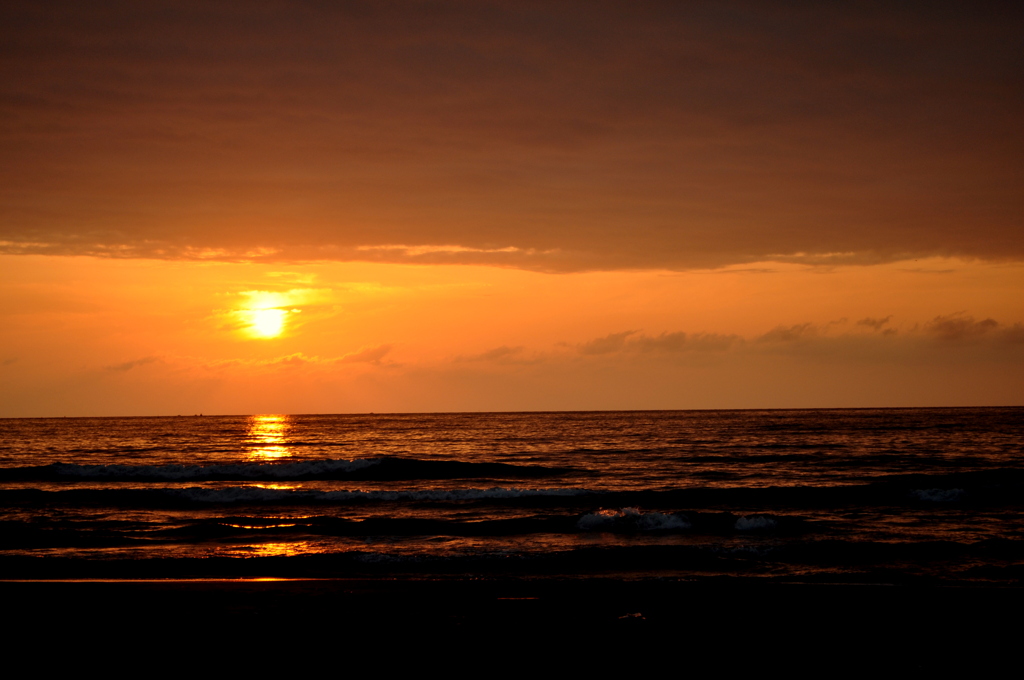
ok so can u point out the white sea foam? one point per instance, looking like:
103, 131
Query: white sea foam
743, 550
656, 521
645, 521
938, 495
755, 522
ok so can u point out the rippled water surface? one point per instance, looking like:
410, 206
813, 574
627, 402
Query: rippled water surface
862, 495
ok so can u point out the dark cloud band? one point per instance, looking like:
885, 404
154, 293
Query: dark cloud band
550, 136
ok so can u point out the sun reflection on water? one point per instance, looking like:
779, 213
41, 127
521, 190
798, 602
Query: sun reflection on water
267, 437
259, 527
281, 549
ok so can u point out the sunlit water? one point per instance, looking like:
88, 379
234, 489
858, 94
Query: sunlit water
856, 495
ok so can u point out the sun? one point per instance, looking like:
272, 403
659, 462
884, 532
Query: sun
267, 323
267, 314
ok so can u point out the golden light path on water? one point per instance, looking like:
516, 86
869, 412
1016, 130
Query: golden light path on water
274, 549
267, 437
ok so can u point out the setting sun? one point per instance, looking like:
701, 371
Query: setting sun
267, 323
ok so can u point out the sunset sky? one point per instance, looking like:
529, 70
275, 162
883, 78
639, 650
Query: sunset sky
303, 207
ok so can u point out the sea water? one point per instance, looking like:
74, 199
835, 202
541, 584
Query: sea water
855, 496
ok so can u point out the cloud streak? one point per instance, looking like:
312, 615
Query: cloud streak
129, 365
873, 323
961, 328
367, 355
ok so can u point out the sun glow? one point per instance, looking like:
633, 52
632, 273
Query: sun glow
267, 323
266, 314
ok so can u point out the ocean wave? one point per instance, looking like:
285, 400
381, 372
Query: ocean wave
938, 495
359, 468
635, 519
257, 495
626, 518
755, 523
253, 495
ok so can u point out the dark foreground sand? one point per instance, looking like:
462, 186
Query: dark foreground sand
716, 624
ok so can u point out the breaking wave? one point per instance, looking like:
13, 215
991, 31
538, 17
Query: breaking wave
626, 518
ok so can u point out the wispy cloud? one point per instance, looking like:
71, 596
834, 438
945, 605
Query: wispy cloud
129, 365
664, 343
501, 354
874, 323
803, 331
367, 355
684, 342
959, 327
612, 342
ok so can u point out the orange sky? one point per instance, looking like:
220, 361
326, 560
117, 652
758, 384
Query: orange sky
264, 207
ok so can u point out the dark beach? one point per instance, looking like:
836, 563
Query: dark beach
724, 623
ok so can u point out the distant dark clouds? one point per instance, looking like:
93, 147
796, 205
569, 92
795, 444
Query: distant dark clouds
555, 136
959, 330
501, 354
372, 356
679, 342
609, 343
874, 323
129, 365
635, 342
801, 331
964, 328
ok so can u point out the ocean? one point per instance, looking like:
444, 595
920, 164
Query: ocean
860, 496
